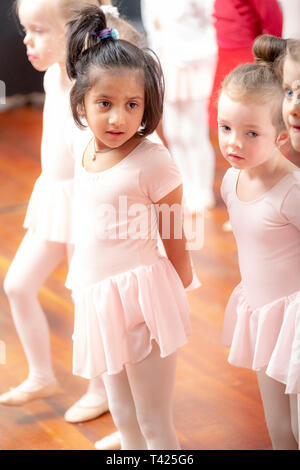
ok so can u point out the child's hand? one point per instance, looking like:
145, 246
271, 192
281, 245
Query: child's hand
170, 215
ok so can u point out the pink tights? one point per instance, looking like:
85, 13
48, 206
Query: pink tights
140, 401
281, 412
33, 263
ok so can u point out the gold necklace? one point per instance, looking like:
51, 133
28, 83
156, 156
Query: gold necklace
108, 149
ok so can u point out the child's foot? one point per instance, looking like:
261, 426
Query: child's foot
111, 442
90, 406
26, 392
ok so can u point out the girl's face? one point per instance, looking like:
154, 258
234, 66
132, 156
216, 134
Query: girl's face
44, 34
114, 106
247, 136
291, 102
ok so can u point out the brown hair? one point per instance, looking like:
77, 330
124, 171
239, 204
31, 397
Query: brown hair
277, 49
86, 53
260, 82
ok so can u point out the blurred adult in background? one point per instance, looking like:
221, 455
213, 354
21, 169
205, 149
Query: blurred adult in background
238, 23
183, 36
291, 18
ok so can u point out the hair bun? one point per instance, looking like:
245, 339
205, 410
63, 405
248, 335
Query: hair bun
267, 49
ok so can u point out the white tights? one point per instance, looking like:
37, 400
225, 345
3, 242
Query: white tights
282, 412
33, 263
186, 130
140, 401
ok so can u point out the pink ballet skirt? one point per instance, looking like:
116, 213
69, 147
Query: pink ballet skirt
49, 212
265, 337
117, 318
126, 293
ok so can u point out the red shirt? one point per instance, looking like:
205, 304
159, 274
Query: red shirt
239, 22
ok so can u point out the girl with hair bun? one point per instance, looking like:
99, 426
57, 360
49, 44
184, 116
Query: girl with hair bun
131, 310
48, 218
238, 23
262, 195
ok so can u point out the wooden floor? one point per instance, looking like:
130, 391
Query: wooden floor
217, 406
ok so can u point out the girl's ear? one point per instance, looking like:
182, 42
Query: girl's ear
282, 138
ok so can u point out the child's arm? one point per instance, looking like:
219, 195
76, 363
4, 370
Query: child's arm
175, 244
291, 204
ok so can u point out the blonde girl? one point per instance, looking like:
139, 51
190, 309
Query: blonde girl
262, 193
48, 218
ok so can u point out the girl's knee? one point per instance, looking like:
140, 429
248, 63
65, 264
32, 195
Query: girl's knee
123, 415
9, 286
15, 288
153, 422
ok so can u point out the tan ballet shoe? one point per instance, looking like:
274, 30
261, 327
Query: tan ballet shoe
111, 442
17, 398
79, 414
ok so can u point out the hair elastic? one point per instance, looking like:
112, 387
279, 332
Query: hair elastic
106, 33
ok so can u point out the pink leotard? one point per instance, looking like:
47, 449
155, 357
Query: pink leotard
262, 319
126, 293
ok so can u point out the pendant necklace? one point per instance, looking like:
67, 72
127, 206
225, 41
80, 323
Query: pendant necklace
108, 149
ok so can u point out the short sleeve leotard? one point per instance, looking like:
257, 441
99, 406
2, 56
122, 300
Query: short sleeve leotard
125, 292
49, 209
262, 318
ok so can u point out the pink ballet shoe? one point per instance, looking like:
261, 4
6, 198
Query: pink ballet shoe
79, 414
17, 398
111, 442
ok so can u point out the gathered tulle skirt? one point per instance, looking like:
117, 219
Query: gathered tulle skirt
117, 318
266, 337
49, 212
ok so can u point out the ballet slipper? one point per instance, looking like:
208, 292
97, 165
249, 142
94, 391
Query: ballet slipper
111, 442
79, 414
17, 398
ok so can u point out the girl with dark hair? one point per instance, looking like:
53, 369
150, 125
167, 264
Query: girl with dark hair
131, 310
